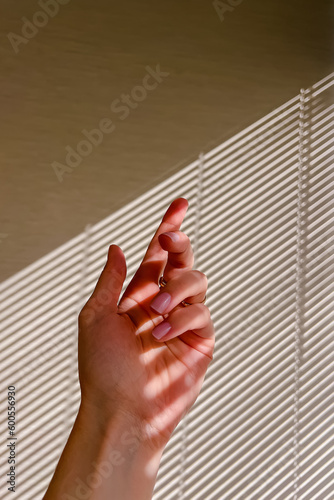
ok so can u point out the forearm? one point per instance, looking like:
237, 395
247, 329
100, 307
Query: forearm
104, 461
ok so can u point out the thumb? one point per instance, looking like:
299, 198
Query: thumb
109, 285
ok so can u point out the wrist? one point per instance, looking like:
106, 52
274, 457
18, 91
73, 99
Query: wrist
116, 424
122, 458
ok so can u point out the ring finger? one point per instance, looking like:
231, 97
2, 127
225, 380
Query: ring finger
195, 319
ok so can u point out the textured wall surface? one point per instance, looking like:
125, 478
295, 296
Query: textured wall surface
261, 219
223, 75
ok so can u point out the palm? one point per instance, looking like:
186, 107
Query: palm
171, 373
158, 382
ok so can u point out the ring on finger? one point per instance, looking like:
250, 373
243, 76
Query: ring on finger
163, 283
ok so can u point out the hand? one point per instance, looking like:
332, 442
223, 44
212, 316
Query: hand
124, 371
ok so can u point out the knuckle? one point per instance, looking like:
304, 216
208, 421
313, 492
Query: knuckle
203, 310
178, 262
201, 276
207, 314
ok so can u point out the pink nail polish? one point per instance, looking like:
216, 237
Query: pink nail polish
173, 236
159, 331
161, 302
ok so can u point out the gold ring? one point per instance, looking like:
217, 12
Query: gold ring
163, 283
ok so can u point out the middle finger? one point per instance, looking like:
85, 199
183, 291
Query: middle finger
190, 286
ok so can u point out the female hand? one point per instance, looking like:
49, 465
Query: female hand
144, 358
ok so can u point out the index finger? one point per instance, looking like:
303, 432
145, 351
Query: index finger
155, 259
171, 221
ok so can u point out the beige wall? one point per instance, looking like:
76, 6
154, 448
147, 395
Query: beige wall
223, 75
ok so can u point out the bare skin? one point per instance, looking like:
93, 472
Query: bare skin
136, 388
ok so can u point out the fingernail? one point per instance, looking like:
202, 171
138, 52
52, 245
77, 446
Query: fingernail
173, 236
159, 331
161, 302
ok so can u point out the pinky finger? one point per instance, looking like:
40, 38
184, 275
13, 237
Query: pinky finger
194, 319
